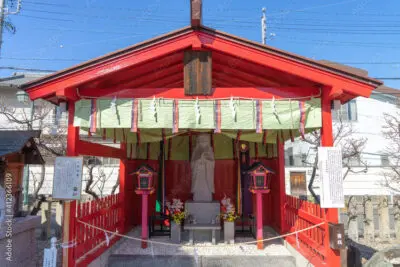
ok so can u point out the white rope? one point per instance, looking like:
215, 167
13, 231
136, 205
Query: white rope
179, 245
211, 98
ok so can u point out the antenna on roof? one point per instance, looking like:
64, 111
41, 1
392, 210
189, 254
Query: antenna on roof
196, 16
264, 26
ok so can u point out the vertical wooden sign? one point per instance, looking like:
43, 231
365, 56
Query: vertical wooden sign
197, 72
196, 7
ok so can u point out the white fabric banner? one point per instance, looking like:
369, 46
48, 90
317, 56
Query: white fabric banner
330, 171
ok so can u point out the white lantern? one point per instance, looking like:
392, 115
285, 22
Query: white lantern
22, 97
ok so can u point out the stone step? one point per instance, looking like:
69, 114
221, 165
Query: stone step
201, 261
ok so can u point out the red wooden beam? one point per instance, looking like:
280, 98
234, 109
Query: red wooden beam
152, 76
219, 92
273, 75
285, 64
93, 149
113, 66
146, 69
244, 75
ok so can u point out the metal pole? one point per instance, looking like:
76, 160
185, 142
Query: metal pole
2, 4
264, 26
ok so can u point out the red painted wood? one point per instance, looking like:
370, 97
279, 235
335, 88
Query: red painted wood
219, 92
72, 140
111, 67
104, 213
281, 188
260, 236
93, 149
145, 203
333, 256
285, 65
123, 189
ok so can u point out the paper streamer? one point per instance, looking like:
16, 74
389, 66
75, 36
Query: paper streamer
134, 123
93, 115
217, 108
302, 118
258, 116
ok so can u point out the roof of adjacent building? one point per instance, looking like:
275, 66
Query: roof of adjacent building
19, 78
16, 141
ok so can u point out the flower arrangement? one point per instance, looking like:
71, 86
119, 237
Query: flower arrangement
176, 209
228, 210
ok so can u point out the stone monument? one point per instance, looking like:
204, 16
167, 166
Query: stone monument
202, 165
202, 209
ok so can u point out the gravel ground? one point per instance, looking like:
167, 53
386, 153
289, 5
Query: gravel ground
271, 248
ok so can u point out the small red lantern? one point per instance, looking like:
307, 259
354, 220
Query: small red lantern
260, 176
145, 176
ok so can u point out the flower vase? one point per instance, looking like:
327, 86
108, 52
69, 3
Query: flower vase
229, 232
175, 232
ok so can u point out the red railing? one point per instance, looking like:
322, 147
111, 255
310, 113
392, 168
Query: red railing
104, 213
301, 214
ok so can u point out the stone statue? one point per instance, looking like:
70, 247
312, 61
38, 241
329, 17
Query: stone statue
202, 164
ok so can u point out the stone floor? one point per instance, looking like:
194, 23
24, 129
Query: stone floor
132, 247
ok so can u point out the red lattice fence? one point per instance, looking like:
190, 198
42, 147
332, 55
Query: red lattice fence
104, 213
301, 214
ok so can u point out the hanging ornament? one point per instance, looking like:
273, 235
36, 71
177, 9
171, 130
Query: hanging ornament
153, 107
273, 106
113, 105
197, 110
232, 105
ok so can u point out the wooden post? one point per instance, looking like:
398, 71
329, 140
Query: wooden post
331, 214
282, 190
196, 13
260, 235
145, 204
123, 190
70, 206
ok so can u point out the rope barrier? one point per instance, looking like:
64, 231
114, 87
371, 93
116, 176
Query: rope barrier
220, 98
181, 245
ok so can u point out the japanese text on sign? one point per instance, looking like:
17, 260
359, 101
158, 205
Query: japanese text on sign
67, 178
330, 168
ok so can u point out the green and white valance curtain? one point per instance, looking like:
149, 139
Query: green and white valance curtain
138, 121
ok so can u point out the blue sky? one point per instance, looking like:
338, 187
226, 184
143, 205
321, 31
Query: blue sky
56, 34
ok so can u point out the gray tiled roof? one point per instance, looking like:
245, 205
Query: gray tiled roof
14, 141
19, 78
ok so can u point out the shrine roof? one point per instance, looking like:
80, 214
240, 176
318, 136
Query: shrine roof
237, 63
322, 64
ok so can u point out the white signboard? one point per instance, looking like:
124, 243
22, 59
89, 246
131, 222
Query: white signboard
330, 171
67, 180
50, 257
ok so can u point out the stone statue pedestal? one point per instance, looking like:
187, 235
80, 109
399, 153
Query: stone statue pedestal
203, 213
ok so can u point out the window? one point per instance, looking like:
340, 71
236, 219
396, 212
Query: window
385, 160
347, 112
298, 184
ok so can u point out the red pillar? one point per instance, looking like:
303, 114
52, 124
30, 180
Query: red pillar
145, 204
260, 235
282, 190
69, 207
123, 191
332, 256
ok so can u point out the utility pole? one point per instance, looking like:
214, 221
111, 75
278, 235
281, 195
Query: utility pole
264, 26
2, 16
3, 13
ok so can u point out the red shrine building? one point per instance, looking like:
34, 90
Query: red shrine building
157, 97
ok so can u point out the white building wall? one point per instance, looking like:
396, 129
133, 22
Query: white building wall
370, 120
